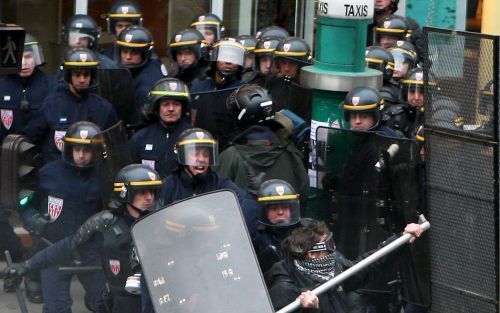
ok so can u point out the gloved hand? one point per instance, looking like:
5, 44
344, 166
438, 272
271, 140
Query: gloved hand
14, 274
39, 222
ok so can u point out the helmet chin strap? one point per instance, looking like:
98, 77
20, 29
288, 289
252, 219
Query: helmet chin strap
141, 213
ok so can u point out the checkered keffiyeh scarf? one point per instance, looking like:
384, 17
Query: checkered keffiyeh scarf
320, 270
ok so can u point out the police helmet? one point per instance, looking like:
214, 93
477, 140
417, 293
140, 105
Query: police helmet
133, 178
380, 59
247, 41
169, 88
79, 29
295, 49
137, 38
228, 51
365, 100
392, 25
395, 117
265, 46
31, 45
252, 104
79, 59
187, 39
192, 139
404, 61
414, 82
82, 134
272, 31
123, 11
277, 194
209, 22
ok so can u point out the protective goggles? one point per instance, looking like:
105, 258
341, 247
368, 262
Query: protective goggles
326, 245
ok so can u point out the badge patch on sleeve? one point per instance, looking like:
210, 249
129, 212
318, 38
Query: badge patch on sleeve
58, 139
114, 266
54, 207
7, 118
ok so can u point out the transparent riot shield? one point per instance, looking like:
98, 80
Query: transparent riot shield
113, 153
210, 113
117, 86
197, 257
292, 96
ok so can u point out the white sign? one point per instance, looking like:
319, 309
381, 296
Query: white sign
346, 9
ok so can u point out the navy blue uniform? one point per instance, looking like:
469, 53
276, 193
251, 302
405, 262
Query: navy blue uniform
154, 146
69, 195
112, 247
59, 111
144, 78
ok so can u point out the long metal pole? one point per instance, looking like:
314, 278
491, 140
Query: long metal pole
404, 239
19, 292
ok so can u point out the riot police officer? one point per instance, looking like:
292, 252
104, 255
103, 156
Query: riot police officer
290, 56
154, 145
249, 42
264, 60
107, 234
280, 215
121, 15
256, 153
272, 31
379, 58
186, 49
135, 47
68, 192
405, 59
390, 29
210, 26
72, 103
21, 96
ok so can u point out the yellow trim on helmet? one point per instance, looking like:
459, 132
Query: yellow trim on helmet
185, 142
205, 23
390, 30
418, 82
118, 186
263, 50
249, 48
229, 43
31, 43
169, 93
81, 63
124, 15
419, 138
272, 198
413, 53
175, 227
359, 107
379, 61
185, 43
134, 45
290, 53
487, 92
77, 140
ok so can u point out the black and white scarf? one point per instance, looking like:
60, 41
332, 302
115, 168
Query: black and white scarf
320, 269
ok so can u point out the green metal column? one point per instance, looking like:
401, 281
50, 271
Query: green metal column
339, 66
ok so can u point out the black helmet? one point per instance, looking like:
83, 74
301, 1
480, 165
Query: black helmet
31, 45
380, 59
275, 193
169, 88
81, 134
123, 11
80, 58
135, 38
188, 38
272, 31
191, 139
295, 49
404, 61
133, 178
414, 82
265, 46
395, 117
363, 99
406, 45
252, 104
393, 25
247, 41
210, 22
393, 7
81, 26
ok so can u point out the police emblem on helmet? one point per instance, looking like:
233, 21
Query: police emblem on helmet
399, 43
201, 18
419, 76
173, 86
387, 24
84, 133
355, 100
128, 37
152, 175
124, 10
280, 189
286, 47
83, 57
258, 35
242, 42
267, 44
200, 135
178, 38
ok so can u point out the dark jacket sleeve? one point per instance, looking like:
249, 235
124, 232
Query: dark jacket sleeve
58, 253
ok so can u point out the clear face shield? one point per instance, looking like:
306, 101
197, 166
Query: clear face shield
82, 152
402, 63
229, 53
210, 30
280, 213
76, 38
34, 51
413, 94
197, 152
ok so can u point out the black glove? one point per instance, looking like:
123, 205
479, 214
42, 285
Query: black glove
39, 222
15, 273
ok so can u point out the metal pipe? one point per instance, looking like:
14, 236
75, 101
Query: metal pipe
404, 239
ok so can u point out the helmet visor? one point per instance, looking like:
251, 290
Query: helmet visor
229, 54
197, 152
34, 52
280, 213
82, 152
76, 38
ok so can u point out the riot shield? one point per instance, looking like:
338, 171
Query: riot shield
292, 96
117, 86
213, 115
197, 257
114, 154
